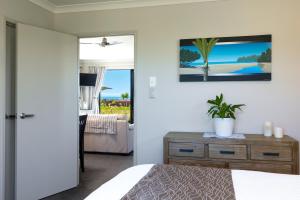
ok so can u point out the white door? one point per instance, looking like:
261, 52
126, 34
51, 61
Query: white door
47, 95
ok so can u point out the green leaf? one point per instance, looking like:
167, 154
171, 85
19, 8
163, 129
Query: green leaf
212, 109
221, 109
231, 115
212, 102
221, 97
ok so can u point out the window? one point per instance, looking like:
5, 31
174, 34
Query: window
116, 96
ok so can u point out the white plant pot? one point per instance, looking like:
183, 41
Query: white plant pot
224, 127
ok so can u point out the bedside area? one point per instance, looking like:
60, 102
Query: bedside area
255, 152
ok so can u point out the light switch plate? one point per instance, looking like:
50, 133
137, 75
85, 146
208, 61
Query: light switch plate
152, 81
152, 87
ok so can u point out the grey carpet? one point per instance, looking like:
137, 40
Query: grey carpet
98, 169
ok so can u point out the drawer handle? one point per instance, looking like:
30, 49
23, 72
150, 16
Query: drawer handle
227, 152
186, 150
270, 154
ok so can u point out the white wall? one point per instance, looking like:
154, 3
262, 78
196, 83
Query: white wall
16, 11
26, 12
182, 106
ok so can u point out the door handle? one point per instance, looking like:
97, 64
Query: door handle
10, 116
24, 115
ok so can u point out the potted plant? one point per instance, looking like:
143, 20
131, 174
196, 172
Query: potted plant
223, 115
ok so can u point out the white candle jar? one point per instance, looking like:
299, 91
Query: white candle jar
268, 129
278, 132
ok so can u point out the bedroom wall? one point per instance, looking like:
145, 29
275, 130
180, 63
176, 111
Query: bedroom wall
182, 106
26, 12
15, 11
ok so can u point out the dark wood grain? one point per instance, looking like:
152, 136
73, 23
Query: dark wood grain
265, 167
216, 164
186, 149
265, 152
228, 151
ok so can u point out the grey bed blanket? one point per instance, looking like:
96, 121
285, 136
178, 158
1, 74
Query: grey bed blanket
171, 182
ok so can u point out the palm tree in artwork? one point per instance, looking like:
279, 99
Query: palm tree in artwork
205, 47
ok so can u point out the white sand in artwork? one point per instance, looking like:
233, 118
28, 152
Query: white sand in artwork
266, 66
225, 68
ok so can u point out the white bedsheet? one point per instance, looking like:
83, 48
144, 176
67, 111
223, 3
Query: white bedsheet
251, 185
248, 185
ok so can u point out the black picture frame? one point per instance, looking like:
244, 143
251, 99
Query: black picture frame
245, 49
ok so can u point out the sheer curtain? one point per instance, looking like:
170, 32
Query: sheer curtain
89, 95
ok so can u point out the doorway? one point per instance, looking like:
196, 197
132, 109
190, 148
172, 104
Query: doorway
107, 150
107, 98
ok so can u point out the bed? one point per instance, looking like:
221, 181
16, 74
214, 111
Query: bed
246, 185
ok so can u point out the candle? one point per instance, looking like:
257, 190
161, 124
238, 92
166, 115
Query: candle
278, 132
268, 129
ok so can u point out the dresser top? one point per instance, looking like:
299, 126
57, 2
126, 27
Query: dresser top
249, 138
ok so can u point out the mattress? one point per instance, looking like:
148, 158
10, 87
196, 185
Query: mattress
248, 185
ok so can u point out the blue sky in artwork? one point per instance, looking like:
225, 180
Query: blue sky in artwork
118, 80
231, 52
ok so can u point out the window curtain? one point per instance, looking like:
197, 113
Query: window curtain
89, 95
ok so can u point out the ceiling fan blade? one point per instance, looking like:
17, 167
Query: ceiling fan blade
102, 44
114, 43
89, 43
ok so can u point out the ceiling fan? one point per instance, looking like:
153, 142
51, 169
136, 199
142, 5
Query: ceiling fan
103, 43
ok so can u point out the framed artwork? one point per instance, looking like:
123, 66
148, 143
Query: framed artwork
245, 58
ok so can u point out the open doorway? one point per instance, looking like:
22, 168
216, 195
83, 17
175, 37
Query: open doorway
107, 99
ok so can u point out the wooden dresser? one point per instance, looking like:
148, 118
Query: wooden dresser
256, 152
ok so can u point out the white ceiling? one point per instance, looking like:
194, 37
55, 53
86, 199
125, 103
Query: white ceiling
120, 55
64, 6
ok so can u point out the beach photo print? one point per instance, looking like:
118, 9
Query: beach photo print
245, 58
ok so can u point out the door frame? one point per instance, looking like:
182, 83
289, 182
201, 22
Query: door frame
2, 104
3, 21
132, 95
135, 35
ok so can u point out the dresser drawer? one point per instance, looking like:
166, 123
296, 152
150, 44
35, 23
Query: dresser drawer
265, 167
275, 153
227, 151
201, 163
188, 149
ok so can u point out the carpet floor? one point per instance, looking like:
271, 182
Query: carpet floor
99, 168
